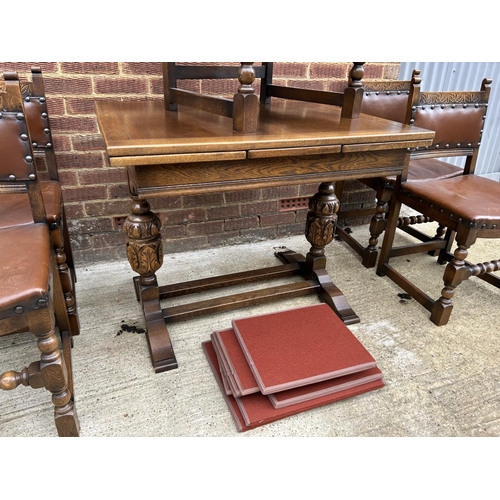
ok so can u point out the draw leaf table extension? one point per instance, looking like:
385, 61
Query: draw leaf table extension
191, 151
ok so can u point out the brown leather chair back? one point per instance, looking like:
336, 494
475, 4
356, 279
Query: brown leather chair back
17, 166
456, 117
388, 99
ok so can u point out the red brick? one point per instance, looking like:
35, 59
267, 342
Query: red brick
96, 68
80, 241
88, 142
202, 200
173, 232
279, 193
329, 70
73, 210
120, 86
55, 106
258, 208
68, 85
90, 225
242, 223
102, 176
336, 85
143, 68
156, 86
277, 219
62, 142
180, 216
100, 208
309, 84
242, 196
200, 228
80, 160
373, 70
120, 191
67, 178
73, 124
308, 189
25, 67
225, 87
223, 212
165, 202
80, 106
290, 69
84, 193
191, 85
391, 71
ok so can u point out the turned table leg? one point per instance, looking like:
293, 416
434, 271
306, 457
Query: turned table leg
145, 255
320, 229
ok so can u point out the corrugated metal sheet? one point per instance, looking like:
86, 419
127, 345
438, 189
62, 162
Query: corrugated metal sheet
449, 76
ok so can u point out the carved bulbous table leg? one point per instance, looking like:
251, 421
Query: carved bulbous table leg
144, 244
320, 229
145, 255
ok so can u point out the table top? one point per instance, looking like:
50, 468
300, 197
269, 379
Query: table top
143, 132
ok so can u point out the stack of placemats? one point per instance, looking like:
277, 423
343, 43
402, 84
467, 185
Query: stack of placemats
275, 365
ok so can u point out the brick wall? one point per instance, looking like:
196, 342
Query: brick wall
95, 194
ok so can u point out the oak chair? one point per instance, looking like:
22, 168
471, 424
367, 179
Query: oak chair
468, 206
244, 106
14, 207
392, 100
31, 295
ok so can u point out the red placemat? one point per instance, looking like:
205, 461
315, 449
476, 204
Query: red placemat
236, 362
254, 410
307, 392
292, 348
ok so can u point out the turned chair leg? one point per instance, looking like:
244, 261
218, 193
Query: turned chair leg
377, 227
54, 373
440, 232
454, 273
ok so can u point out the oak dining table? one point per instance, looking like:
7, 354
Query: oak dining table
191, 151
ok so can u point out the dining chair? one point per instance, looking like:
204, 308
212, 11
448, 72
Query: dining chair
392, 100
31, 296
468, 205
14, 207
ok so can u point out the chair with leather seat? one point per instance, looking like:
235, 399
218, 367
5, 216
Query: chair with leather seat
392, 100
467, 205
31, 296
14, 208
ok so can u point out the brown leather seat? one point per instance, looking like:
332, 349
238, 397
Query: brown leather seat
467, 206
429, 168
31, 294
25, 268
15, 207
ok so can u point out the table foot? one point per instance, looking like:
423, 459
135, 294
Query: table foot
332, 295
327, 291
159, 343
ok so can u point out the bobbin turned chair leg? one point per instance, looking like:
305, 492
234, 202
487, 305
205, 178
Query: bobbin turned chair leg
50, 372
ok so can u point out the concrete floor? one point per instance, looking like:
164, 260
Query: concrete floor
440, 381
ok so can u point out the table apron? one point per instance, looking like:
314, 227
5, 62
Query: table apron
217, 176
